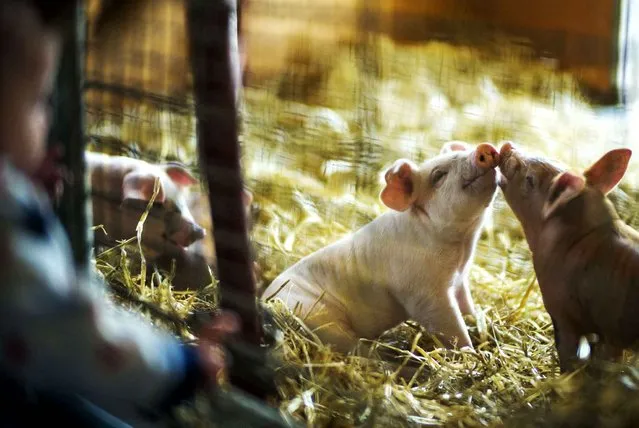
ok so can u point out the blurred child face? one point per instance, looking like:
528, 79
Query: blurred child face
30, 62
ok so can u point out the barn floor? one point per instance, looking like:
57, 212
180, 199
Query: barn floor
313, 166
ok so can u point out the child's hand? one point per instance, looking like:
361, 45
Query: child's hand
211, 348
51, 175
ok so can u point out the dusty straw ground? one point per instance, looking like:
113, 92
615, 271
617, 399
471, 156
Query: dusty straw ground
314, 172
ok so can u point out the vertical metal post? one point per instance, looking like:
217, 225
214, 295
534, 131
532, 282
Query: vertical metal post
625, 53
68, 129
212, 30
215, 64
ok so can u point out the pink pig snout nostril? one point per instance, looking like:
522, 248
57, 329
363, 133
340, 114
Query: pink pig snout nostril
486, 156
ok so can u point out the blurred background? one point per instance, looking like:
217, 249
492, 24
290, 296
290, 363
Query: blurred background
336, 90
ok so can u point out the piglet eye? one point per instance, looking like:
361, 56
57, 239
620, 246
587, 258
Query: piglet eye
530, 182
437, 177
171, 206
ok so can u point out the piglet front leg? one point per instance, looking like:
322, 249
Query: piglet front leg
442, 316
463, 296
566, 342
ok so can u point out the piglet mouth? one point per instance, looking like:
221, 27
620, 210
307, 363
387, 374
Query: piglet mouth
502, 181
183, 244
174, 243
474, 179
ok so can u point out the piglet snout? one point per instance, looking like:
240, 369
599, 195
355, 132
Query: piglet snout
506, 149
197, 233
187, 234
509, 163
486, 156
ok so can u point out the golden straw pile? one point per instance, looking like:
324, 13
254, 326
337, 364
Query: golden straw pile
314, 172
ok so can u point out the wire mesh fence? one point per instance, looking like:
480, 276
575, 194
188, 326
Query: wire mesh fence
323, 112
138, 86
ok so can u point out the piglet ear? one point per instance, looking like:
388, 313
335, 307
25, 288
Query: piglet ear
399, 192
608, 171
139, 187
180, 175
565, 187
455, 146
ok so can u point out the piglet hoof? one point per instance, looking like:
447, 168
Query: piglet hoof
486, 156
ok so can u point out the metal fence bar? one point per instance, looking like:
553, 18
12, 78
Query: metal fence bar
212, 29
68, 129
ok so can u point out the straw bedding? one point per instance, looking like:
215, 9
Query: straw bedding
313, 164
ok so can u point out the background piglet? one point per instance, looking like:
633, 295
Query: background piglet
122, 187
586, 259
410, 263
193, 267
198, 203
